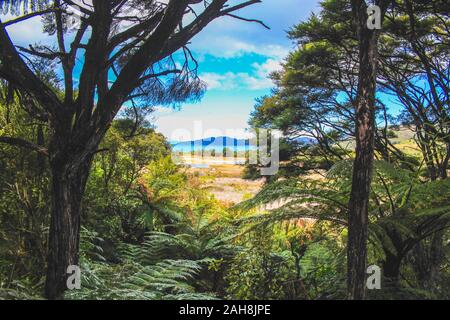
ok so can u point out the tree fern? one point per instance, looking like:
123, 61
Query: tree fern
159, 246
396, 193
167, 279
138, 276
403, 209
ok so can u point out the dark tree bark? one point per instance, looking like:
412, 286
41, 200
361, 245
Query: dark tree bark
428, 259
391, 268
393, 260
362, 168
70, 170
68, 184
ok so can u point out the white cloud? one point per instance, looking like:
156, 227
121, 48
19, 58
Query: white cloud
26, 32
268, 67
230, 47
231, 81
256, 80
179, 127
256, 83
219, 81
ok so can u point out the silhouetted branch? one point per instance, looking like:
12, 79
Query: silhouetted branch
24, 144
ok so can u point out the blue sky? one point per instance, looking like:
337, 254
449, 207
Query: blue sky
235, 59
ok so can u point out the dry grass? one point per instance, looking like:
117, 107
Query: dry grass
223, 177
224, 180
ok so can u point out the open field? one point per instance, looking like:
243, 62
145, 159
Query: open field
403, 140
223, 178
189, 159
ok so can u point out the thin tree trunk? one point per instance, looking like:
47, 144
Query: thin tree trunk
362, 168
445, 162
68, 185
393, 261
391, 268
427, 260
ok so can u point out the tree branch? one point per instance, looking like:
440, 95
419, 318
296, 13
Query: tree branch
24, 144
29, 16
15, 70
248, 20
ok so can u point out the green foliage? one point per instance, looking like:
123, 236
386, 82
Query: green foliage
150, 229
24, 201
404, 211
166, 280
112, 195
133, 278
258, 272
177, 265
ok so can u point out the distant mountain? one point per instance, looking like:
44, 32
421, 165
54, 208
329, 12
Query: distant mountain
218, 143
304, 140
212, 143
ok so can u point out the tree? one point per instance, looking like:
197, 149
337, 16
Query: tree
124, 59
316, 91
111, 202
365, 126
404, 212
416, 100
415, 70
322, 91
24, 205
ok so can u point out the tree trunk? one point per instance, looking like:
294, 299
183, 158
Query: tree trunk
391, 268
362, 168
445, 162
69, 178
428, 259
